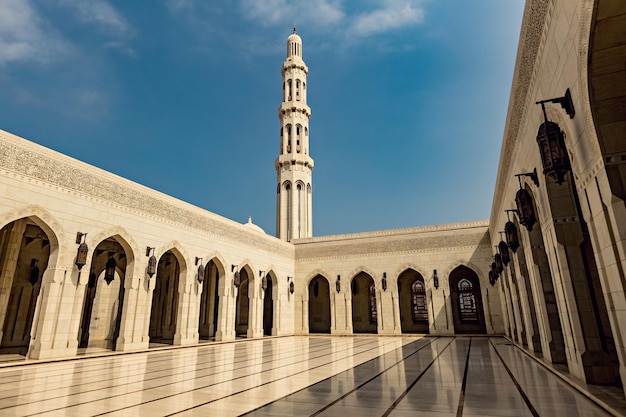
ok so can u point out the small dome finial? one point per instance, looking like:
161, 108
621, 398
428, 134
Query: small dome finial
249, 219
294, 28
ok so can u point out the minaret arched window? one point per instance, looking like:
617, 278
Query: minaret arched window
288, 90
282, 142
289, 209
298, 90
298, 138
299, 210
284, 92
288, 138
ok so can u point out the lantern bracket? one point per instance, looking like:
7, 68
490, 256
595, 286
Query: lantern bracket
533, 176
565, 102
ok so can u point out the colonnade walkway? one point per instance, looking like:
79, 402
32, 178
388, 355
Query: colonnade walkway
299, 376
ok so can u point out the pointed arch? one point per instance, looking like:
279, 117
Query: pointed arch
318, 295
466, 298
364, 304
42, 218
413, 301
34, 233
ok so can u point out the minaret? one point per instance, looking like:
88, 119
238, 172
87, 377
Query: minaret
294, 219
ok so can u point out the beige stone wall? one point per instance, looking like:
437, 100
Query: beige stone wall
389, 253
553, 55
66, 196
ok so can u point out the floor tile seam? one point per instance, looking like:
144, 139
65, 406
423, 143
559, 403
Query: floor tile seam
410, 386
139, 391
155, 350
394, 365
55, 365
570, 383
212, 401
525, 397
155, 377
329, 377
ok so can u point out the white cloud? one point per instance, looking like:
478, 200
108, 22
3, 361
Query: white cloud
101, 13
271, 12
393, 15
23, 35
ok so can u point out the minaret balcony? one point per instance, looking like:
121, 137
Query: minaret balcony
290, 159
294, 107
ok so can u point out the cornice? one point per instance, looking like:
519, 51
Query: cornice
395, 232
534, 22
46, 167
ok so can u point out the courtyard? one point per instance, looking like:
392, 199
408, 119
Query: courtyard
300, 375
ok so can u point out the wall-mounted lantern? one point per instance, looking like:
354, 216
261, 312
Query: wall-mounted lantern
83, 249
510, 230
494, 271
492, 280
291, 285
435, 279
551, 140
384, 281
498, 259
200, 270
504, 251
338, 284
525, 209
152, 262
263, 279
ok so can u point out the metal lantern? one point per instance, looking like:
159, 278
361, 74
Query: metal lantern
551, 141
525, 209
492, 280
494, 271
498, 258
81, 255
34, 273
338, 283
504, 252
152, 265
109, 271
384, 281
512, 238
435, 279
291, 287
264, 282
201, 273
237, 280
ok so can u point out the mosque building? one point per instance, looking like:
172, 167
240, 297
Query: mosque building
90, 259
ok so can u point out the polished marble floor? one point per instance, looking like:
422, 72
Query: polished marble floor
299, 376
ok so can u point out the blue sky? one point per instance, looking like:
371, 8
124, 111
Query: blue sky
408, 99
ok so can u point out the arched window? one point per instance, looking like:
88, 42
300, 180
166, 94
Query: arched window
288, 138
372, 302
298, 90
298, 138
467, 301
288, 90
418, 302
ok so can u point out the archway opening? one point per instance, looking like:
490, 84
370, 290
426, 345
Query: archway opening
165, 300
242, 309
364, 308
209, 302
319, 305
467, 304
413, 305
268, 305
104, 296
24, 256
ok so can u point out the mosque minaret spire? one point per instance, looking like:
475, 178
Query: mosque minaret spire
294, 166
